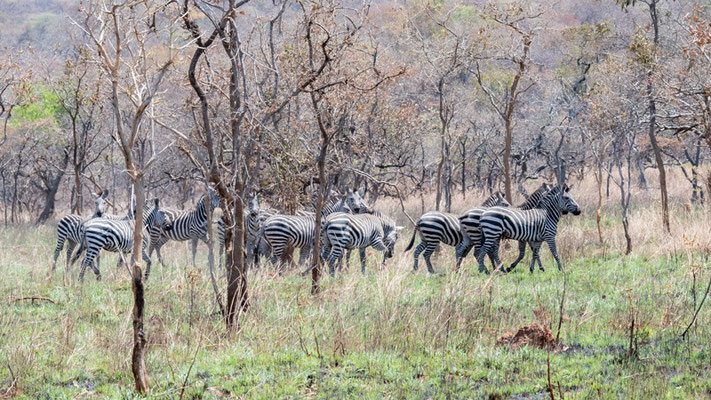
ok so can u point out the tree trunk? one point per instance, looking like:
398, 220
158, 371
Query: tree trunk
52, 185
237, 295
316, 256
653, 125
79, 205
507, 160
138, 361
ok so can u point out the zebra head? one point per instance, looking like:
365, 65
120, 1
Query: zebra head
156, 218
215, 200
391, 234
100, 204
568, 203
354, 201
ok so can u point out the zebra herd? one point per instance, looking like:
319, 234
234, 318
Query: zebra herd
482, 228
347, 223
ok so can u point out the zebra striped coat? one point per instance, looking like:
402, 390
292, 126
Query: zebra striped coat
534, 226
357, 231
185, 225
437, 227
531, 202
117, 236
282, 231
70, 229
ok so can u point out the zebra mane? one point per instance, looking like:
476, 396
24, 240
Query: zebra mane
550, 199
534, 200
496, 199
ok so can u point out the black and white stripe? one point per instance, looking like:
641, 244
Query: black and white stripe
469, 222
437, 227
357, 231
532, 201
185, 225
534, 226
69, 228
298, 231
117, 236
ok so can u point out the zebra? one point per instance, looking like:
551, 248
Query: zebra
256, 244
469, 222
533, 226
117, 236
435, 227
68, 228
531, 202
282, 231
185, 225
350, 231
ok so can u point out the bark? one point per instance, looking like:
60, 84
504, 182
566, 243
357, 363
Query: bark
51, 188
138, 361
653, 125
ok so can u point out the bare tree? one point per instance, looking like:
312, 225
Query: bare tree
124, 37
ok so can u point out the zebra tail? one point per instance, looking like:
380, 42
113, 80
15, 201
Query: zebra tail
412, 241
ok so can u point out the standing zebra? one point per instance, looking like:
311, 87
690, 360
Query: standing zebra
532, 201
357, 231
282, 231
256, 244
435, 227
68, 228
117, 236
533, 226
185, 225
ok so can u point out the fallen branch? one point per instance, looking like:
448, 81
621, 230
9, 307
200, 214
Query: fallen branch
32, 298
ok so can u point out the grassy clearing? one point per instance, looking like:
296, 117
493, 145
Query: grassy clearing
389, 333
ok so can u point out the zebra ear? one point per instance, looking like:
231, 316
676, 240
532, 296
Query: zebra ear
95, 196
105, 194
156, 201
361, 191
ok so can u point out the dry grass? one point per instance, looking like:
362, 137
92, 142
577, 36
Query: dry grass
390, 333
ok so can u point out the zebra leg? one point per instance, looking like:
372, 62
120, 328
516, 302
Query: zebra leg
494, 257
521, 253
483, 251
535, 248
336, 252
70, 248
194, 242
304, 252
419, 249
361, 253
147, 260
431, 246
348, 260
57, 251
554, 250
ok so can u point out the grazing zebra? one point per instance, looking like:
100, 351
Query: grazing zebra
435, 227
350, 231
68, 228
533, 226
185, 225
282, 231
117, 236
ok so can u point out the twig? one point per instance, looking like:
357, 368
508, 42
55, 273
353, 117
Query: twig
185, 381
550, 385
33, 298
703, 299
562, 305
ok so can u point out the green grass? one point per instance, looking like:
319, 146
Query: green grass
388, 333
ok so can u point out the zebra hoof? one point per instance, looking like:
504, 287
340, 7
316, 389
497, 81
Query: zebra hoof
484, 271
98, 278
